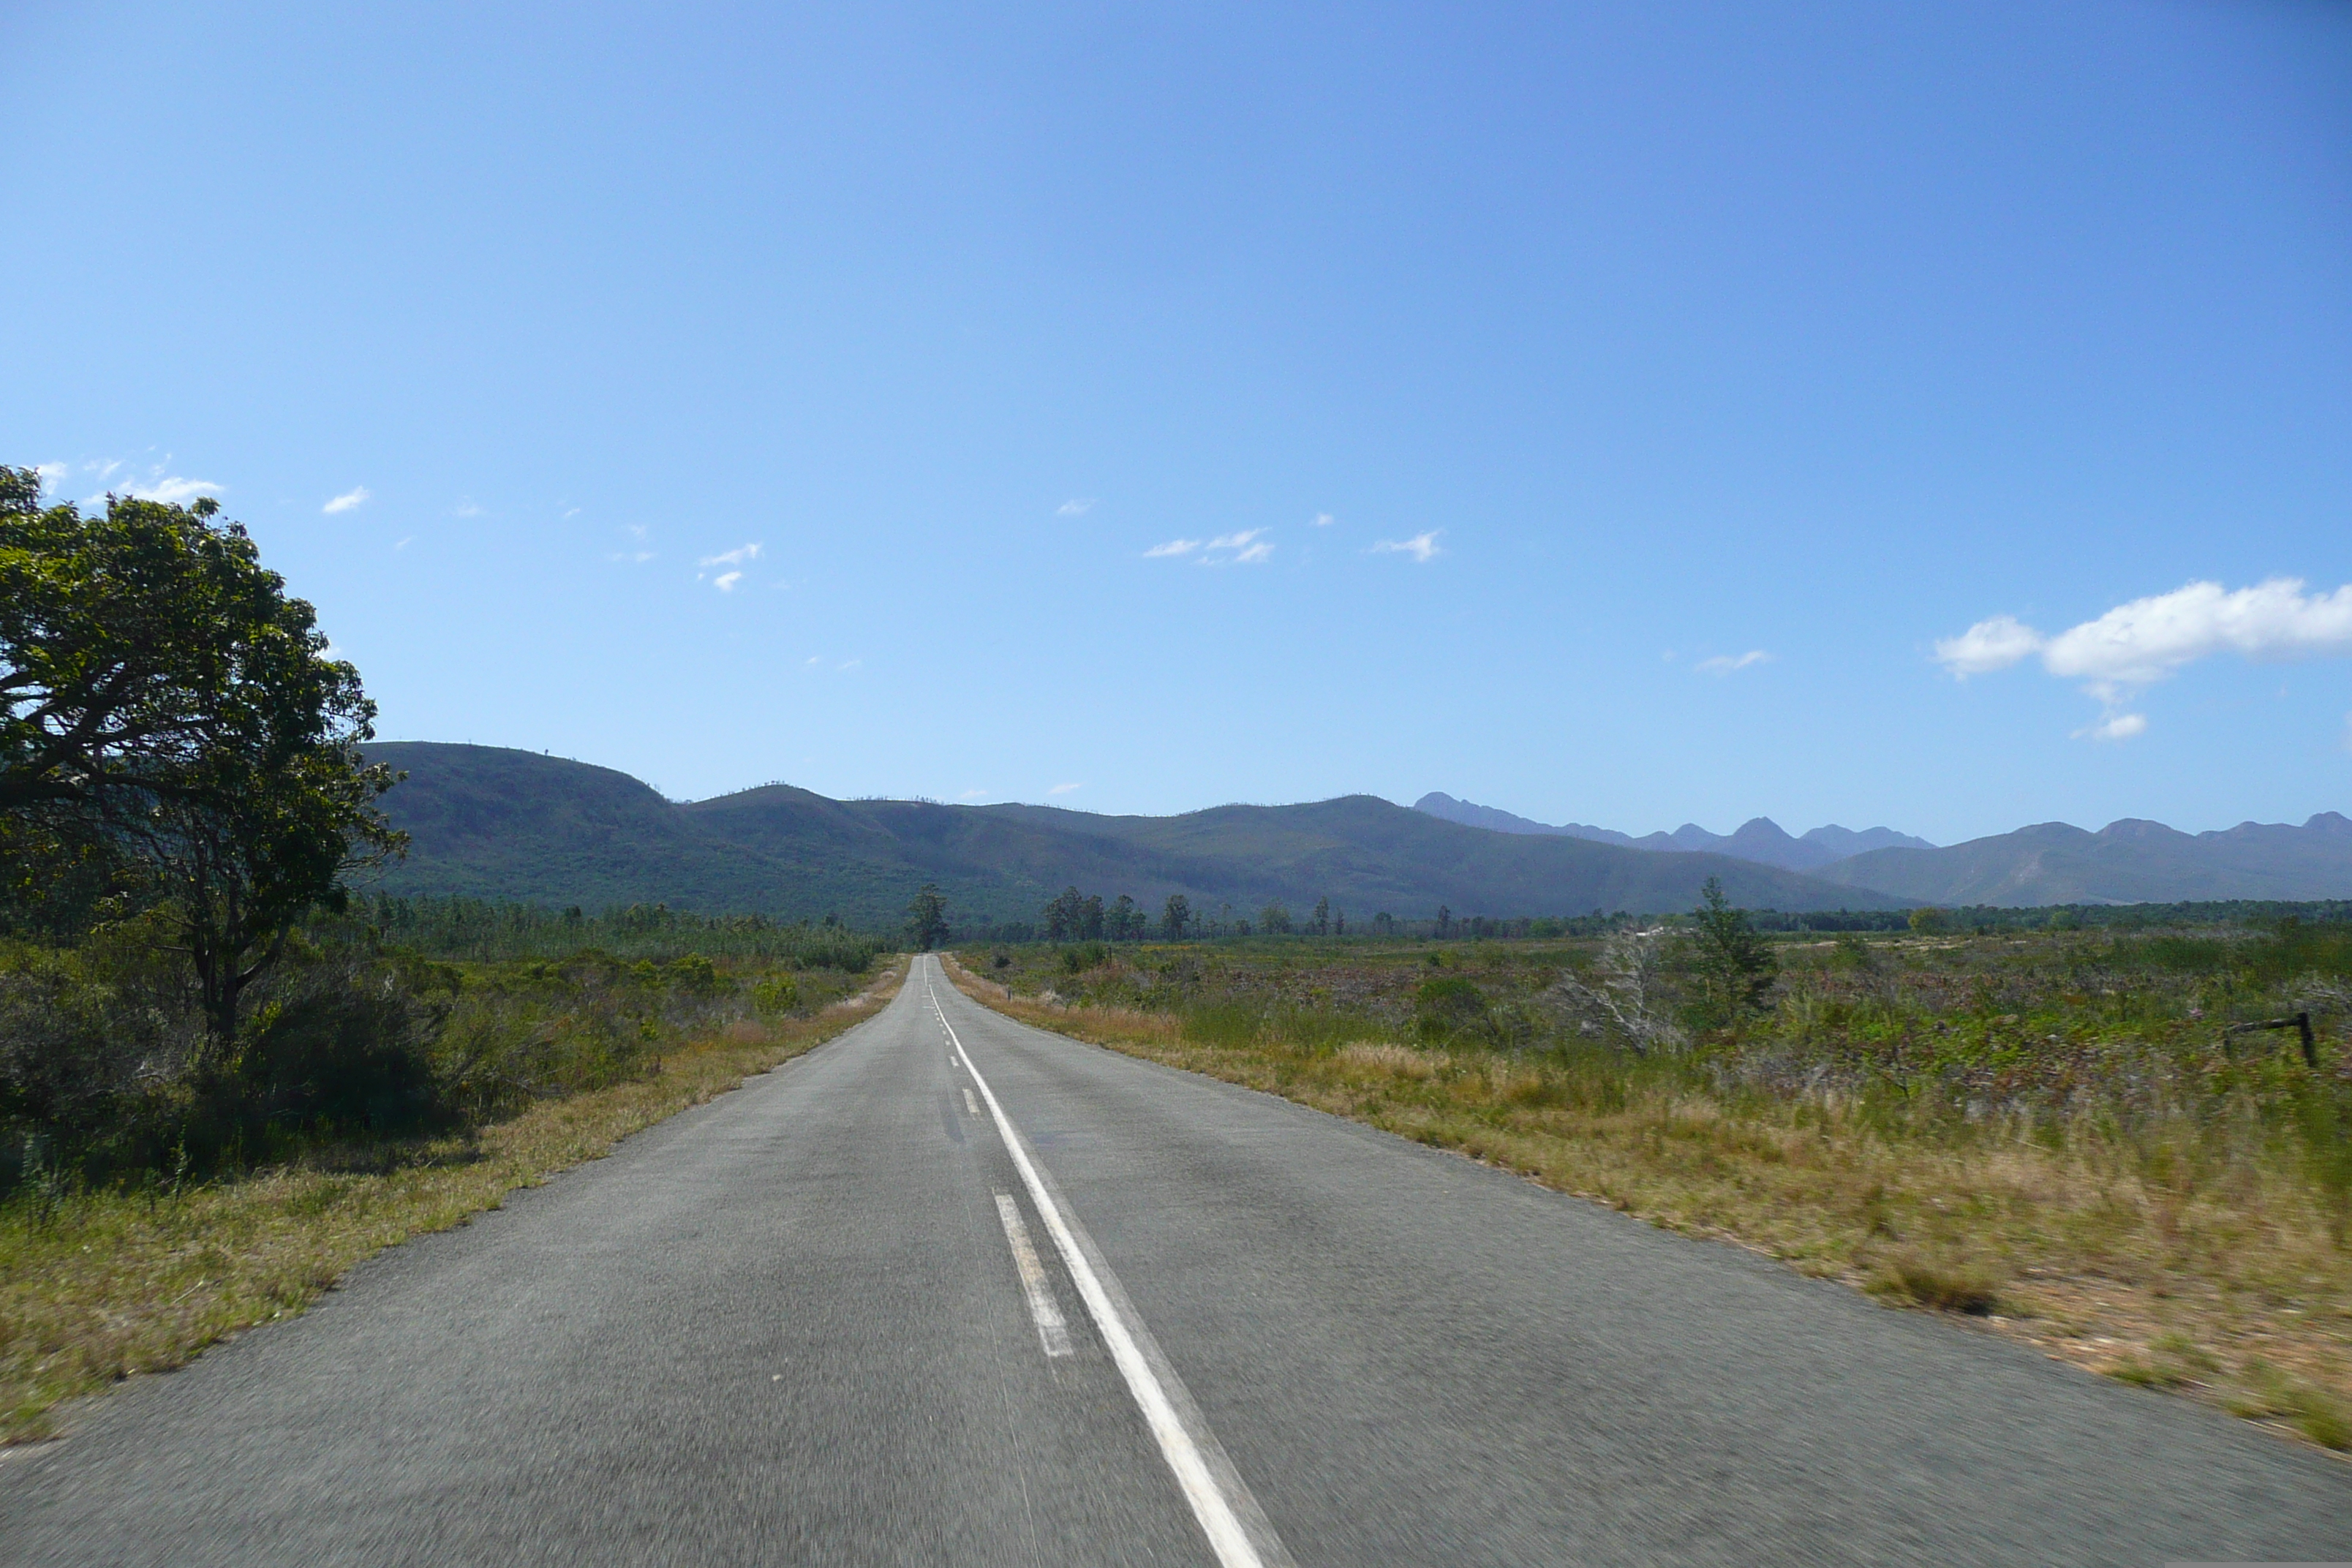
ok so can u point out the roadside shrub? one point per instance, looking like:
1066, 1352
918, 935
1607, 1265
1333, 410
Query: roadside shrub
345, 1041
1079, 957
1448, 1008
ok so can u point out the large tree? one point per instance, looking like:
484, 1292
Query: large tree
165, 705
927, 918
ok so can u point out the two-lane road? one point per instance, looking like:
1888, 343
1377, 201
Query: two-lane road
952, 1290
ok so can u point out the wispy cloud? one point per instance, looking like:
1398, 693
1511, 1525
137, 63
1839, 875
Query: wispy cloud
1246, 548
735, 557
1725, 663
1076, 506
468, 507
725, 581
1324, 519
1421, 546
1065, 789
2137, 644
405, 542
852, 663
350, 499
2113, 727
1249, 547
974, 794
174, 489
637, 557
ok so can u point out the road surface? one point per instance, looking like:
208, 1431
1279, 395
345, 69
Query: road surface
952, 1290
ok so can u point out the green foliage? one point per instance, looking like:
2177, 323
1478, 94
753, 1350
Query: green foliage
1449, 1008
174, 729
1175, 918
927, 918
1085, 955
471, 928
1850, 949
1736, 966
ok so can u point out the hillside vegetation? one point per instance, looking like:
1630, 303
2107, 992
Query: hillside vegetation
504, 825
2125, 862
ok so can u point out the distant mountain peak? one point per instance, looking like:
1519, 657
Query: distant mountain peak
1760, 838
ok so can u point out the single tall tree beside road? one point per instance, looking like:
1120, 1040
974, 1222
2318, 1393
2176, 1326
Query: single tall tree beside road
169, 716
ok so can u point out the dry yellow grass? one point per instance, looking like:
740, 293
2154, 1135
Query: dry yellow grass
116, 1284
2228, 1286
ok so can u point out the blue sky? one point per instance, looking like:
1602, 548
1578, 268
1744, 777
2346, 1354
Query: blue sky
1620, 414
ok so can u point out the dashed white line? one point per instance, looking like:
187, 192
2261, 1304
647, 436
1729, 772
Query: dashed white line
970, 1104
1218, 1496
1052, 1331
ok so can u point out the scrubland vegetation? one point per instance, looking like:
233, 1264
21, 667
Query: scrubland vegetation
2086, 1139
156, 1206
224, 1077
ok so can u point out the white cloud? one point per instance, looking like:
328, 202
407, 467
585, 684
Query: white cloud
974, 794
1725, 663
735, 557
2113, 727
725, 581
174, 490
2149, 639
1421, 546
1324, 519
1246, 548
2143, 642
1987, 645
851, 663
1065, 789
1076, 506
816, 659
405, 542
52, 474
347, 500
468, 507
639, 557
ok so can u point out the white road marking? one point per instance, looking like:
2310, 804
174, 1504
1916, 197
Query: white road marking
1206, 1484
1051, 1329
970, 1104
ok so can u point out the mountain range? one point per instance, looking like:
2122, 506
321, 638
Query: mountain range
1759, 839
498, 824
2127, 862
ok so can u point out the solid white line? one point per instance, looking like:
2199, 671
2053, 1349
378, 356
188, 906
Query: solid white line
1051, 1329
1216, 1513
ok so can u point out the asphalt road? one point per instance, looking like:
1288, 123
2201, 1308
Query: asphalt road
795, 1326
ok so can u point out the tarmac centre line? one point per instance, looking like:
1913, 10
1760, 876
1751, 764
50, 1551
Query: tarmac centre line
1052, 1331
1219, 1497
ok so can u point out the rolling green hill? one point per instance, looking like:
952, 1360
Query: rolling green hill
498, 824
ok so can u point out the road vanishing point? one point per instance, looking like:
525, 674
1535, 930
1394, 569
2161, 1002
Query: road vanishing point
953, 1290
